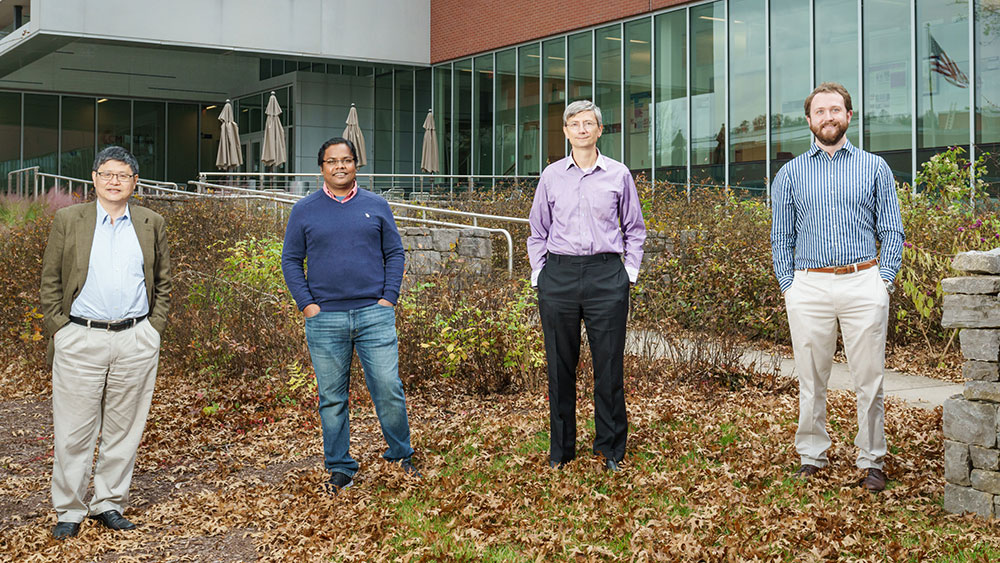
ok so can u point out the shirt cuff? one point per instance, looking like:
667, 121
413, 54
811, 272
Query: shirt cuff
887, 275
633, 273
785, 283
534, 277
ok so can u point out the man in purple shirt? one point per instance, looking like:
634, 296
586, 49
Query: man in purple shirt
585, 249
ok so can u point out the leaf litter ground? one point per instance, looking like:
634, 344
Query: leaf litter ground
706, 478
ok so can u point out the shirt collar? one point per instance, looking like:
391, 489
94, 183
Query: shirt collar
600, 163
350, 194
815, 149
103, 216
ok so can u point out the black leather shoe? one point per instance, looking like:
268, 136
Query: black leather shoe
64, 530
612, 466
557, 464
114, 520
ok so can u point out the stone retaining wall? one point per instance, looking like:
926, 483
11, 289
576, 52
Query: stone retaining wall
433, 251
971, 420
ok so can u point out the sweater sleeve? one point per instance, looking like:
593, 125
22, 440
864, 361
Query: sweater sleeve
293, 255
393, 257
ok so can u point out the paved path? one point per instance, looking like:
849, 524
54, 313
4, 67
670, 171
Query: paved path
916, 390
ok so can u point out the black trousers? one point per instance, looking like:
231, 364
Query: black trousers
593, 289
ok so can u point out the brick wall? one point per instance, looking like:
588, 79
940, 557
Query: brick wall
466, 27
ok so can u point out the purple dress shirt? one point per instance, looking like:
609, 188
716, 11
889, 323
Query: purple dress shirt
580, 212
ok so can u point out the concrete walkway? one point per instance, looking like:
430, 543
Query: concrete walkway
915, 390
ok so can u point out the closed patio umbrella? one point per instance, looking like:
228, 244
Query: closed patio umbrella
230, 156
429, 154
273, 151
353, 134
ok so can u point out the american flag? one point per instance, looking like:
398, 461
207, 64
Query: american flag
942, 64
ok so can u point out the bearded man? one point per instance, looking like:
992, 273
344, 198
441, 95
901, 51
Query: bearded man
833, 208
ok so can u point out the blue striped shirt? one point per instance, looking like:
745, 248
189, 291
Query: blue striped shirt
830, 212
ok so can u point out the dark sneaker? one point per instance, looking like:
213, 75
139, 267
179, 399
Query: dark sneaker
337, 482
612, 465
410, 470
806, 472
874, 481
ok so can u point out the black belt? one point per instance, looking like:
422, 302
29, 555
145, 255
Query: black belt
113, 326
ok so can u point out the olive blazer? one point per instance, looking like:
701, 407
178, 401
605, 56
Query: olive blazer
67, 259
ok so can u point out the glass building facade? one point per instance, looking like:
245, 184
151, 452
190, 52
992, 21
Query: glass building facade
713, 92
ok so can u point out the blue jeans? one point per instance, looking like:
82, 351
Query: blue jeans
332, 337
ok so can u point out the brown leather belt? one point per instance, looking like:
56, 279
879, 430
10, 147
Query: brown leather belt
848, 269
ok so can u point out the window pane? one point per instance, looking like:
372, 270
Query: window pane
463, 117
987, 86
887, 83
41, 132
554, 98
790, 81
747, 106
482, 140
381, 160
114, 123
506, 103
581, 66
404, 122
638, 96
182, 143
609, 88
943, 87
10, 134
442, 115
77, 157
671, 96
708, 83
150, 135
837, 48
529, 61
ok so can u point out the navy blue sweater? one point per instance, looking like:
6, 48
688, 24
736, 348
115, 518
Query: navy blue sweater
352, 251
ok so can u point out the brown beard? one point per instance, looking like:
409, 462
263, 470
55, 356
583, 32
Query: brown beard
830, 140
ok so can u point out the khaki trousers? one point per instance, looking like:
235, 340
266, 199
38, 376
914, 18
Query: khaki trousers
816, 302
102, 384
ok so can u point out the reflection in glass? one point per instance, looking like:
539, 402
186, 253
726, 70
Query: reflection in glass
609, 88
638, 96
554, 99
41, 132
506, 104
463, 117
790, 81
747, 103
77, 157
442, 116
943, 86
987, 13
381, 160
482, 139
10, 135
887, 83
581, 66
114, 123
403, 122
671, 96
149, 136
422, 103
837, 49
529, 143
182, 143
708, 85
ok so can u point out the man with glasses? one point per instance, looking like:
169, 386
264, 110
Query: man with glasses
585, 249
348, 237
104, 293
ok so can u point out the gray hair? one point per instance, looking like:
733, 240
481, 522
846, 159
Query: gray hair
120, 154
581, 106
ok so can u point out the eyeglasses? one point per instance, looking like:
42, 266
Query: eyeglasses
577, 125
337, 161
122, 178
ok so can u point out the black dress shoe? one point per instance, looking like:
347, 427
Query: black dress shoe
64, 530
612, 466
114, 520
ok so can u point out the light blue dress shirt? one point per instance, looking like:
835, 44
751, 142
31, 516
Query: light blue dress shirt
831, 211
116, 286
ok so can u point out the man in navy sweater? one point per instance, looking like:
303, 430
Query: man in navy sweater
355, 257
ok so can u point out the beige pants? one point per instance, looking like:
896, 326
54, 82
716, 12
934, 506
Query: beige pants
815, 303
102, 384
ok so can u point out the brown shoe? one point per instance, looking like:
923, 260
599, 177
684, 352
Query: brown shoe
874, 481
806, 472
